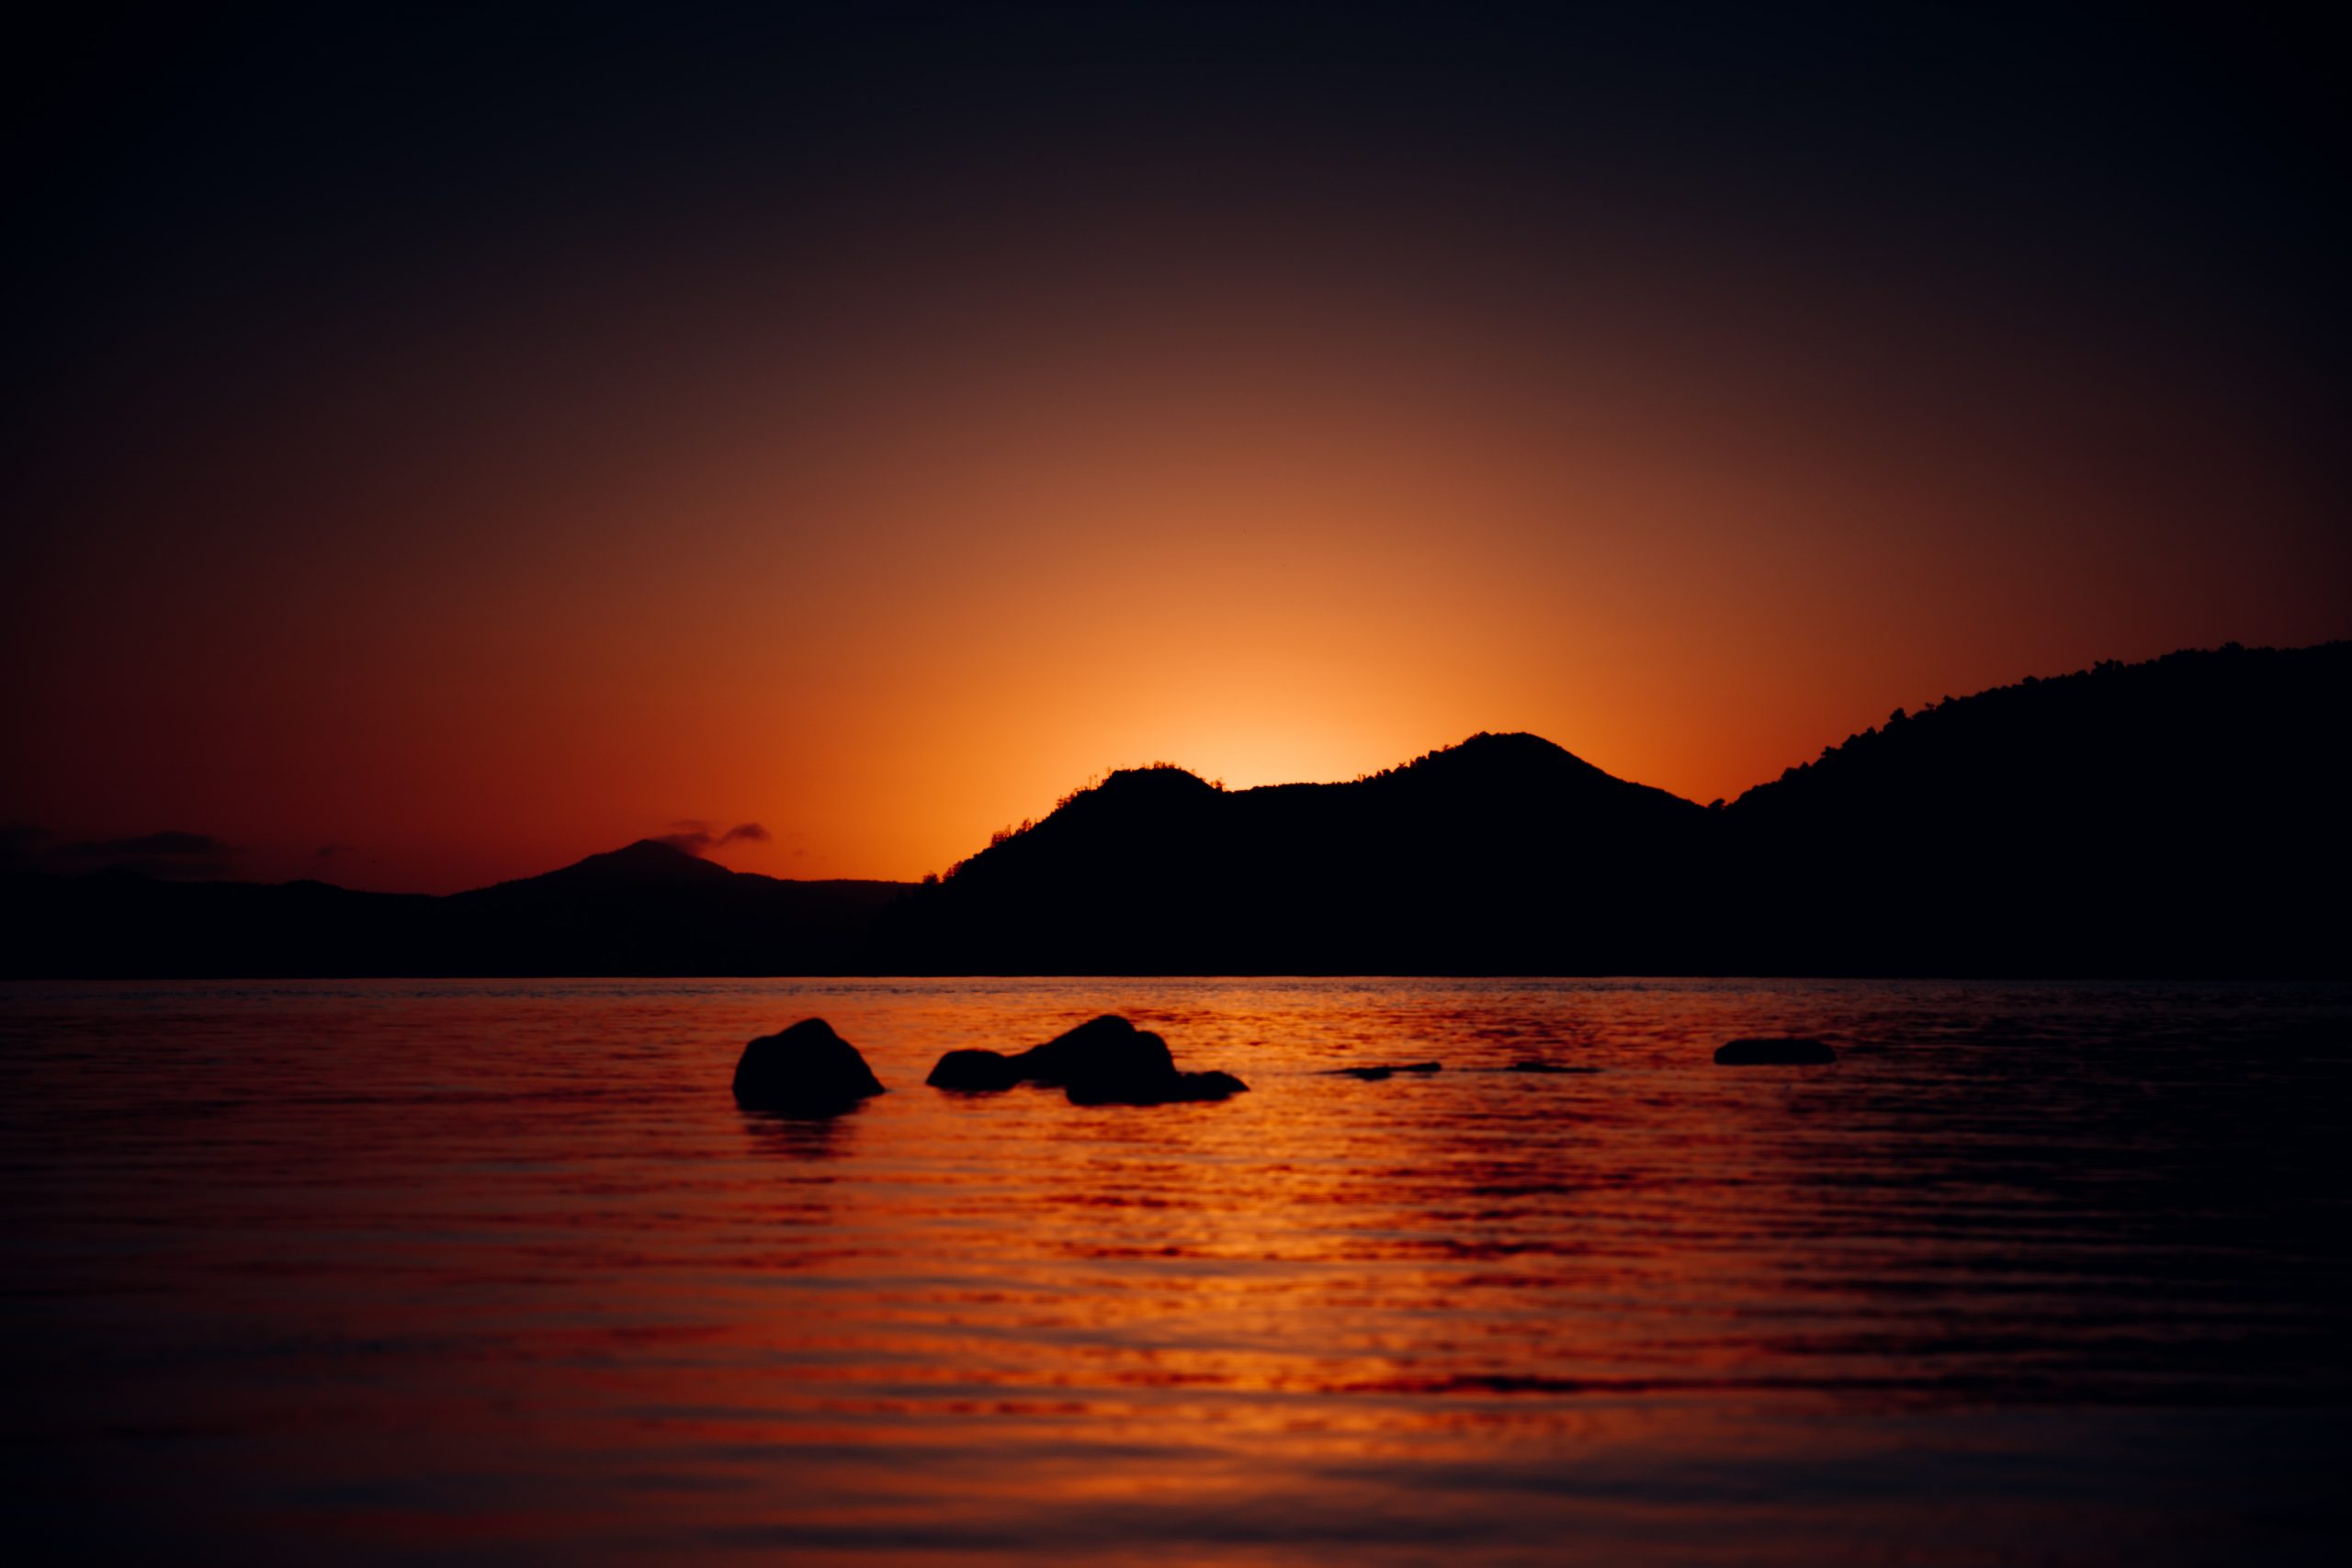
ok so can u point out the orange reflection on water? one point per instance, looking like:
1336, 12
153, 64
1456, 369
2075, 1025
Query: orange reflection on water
389, 1267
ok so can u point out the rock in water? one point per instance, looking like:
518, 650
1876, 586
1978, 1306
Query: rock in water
1385, 1070
1104, 1060
1101, 1050
1779, 1053
807, 1070
974, 1071
1173, 1089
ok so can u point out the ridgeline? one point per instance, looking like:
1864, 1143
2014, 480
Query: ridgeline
2179, 818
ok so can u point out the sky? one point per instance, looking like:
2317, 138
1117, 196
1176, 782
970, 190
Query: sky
446, 442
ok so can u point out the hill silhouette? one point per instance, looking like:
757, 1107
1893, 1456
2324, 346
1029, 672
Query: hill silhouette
2181, 816
1500, 853
2170, 818
647, 908
2173, 818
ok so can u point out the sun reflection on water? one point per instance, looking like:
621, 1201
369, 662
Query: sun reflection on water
380, 1269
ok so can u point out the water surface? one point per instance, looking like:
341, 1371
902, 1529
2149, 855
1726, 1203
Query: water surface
497, 1271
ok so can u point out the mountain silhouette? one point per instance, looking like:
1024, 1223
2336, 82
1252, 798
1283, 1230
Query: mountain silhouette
2160, 818
651, 908
647, 864
1496, 855
647, 908
2173, 818
2180, 816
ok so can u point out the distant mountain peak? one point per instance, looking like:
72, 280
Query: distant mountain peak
646, 861
1164, 778
1512, 759
1515, 745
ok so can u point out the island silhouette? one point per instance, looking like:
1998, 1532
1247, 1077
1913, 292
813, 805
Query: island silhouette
2168, 818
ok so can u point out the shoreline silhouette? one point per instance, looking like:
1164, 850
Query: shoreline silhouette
2144, 820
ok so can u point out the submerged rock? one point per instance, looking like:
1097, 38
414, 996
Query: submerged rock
1104, 1060
974, 1071
1774, 1052
1101, 1050
806, 1070
1373, 1075
1172, 1088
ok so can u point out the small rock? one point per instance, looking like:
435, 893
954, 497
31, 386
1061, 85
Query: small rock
1774, 1052
975, 1071
1173, 1089
806, 1070
1103, 1049
1373, 1075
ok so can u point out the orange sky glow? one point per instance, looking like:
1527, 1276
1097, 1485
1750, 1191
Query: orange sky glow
886, 517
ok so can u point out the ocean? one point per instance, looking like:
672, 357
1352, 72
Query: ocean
497, 1271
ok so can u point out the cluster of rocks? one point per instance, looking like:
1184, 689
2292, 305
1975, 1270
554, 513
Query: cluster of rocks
1104, 1060
809, 1070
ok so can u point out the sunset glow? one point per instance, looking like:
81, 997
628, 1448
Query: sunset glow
882, 498
1260, 782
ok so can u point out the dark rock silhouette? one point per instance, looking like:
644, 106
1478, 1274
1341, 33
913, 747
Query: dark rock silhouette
2155, 820
1773, 1052
1373, 1075
1107, 1049
1169, 1089
806, 1070
1104, 1061
975, 1071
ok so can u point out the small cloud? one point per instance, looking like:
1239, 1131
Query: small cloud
696, 836
328, 852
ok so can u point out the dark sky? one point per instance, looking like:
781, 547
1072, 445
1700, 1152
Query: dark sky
469, 435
